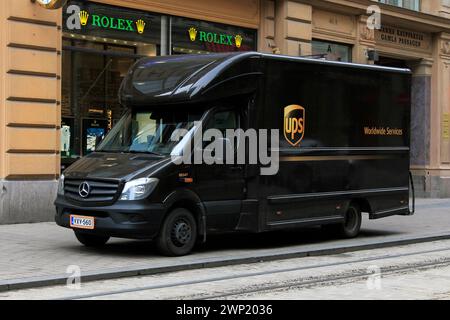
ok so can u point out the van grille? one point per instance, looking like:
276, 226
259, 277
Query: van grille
100, 191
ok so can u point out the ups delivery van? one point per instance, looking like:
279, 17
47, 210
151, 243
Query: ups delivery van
338, 135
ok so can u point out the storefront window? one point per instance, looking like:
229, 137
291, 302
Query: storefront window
332, 51
101, 42
194, 36
407, 4
96, 58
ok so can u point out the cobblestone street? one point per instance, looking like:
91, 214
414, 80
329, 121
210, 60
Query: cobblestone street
43, 252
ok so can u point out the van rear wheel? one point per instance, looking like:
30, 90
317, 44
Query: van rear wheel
91, 240
351, 225
178, 233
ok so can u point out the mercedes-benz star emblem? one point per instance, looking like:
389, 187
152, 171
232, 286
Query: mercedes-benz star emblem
84, 190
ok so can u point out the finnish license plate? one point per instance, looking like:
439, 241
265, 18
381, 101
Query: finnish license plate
82, 222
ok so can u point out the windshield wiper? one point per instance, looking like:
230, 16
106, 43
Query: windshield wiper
131, 151
109, 151
146, 152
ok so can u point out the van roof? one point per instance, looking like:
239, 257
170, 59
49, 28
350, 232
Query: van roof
183, 78
335, 63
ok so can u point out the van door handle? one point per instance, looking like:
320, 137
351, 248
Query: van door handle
237, 168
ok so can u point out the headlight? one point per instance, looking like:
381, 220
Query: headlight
61, 185
138, 189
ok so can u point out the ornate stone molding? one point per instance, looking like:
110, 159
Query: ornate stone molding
366, 33
445, 47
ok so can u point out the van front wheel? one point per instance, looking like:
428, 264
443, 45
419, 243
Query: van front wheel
178, 233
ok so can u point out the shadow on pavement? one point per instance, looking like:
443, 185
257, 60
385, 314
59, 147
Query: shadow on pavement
240, 241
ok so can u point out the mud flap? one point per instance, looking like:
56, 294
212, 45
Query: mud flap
411, 210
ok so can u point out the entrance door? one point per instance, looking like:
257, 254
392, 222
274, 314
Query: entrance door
221, 187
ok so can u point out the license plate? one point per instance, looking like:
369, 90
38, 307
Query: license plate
81, 222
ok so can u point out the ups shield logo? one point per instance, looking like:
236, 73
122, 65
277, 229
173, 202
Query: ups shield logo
294, 124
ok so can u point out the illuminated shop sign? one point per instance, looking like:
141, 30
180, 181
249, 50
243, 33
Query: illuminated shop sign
114, 23
101, 21
212, 37
198, 36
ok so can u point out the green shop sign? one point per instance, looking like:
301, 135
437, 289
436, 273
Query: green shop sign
212, 37
112, 23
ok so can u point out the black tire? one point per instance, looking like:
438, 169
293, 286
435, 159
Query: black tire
178, 233
351, 225
91, 240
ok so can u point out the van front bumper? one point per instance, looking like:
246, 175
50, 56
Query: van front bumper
124, 219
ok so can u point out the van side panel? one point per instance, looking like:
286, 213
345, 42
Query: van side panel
355, 144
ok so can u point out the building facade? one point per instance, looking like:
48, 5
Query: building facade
60, 71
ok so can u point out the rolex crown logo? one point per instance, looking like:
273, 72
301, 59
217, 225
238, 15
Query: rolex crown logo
192, 33
238, 40
140, 24
84, 16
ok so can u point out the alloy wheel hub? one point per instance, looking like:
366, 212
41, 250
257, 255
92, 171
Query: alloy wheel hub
181, 232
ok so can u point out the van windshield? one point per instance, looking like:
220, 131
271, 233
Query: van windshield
149, 131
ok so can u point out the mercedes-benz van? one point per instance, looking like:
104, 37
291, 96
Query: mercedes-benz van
342, 149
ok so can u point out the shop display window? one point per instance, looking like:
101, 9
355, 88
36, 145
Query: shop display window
100, 46
332, 51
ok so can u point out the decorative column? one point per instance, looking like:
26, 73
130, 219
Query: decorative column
365, 42
430, 153
293, 28
421, 123
443, 98
266, 42
442, 116
30, 70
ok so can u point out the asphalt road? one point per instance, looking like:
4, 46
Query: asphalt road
419, 271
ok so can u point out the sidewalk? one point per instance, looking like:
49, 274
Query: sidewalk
43, 251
